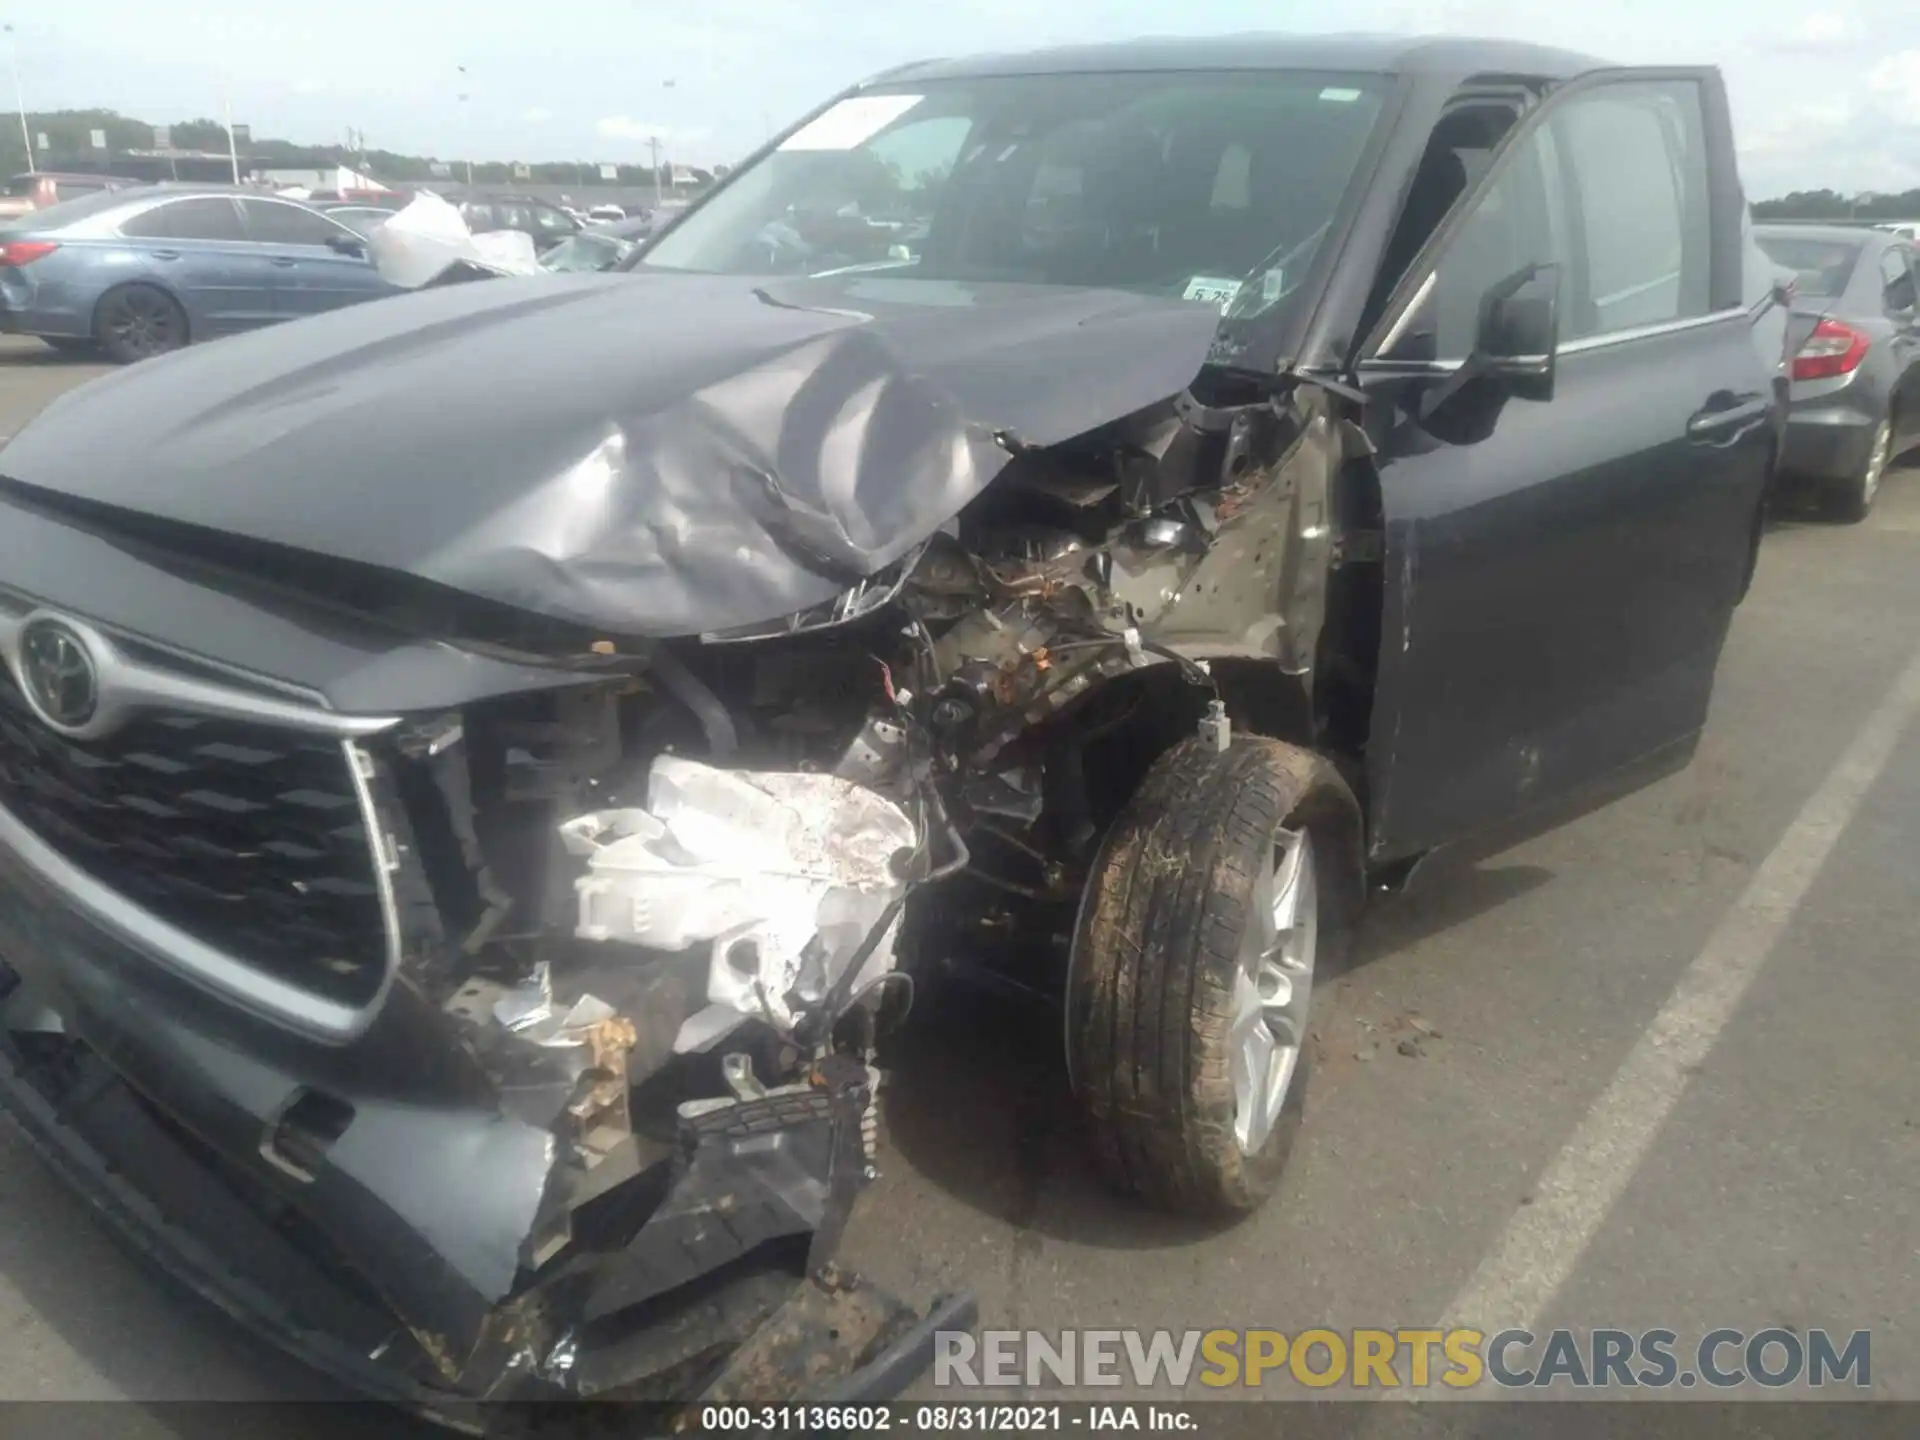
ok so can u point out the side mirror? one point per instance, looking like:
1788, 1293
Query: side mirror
347, 245
1519, 331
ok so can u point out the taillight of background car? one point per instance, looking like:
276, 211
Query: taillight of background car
1834, 348
24, 252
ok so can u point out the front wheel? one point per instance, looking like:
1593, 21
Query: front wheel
1230, 881
137, 322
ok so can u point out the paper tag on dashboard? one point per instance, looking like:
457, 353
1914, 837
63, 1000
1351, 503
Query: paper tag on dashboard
1213, 289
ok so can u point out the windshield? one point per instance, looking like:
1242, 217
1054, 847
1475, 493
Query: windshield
1821, 268
1213, 186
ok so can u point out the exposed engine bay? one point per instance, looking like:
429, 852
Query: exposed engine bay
659, 873
691, 892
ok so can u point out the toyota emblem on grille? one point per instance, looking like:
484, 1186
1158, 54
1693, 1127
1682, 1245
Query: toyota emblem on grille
58, 673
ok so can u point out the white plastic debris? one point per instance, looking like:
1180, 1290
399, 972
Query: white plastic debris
753, 864
422, 242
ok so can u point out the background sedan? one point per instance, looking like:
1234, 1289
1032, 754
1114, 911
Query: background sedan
1856, 376
140, 272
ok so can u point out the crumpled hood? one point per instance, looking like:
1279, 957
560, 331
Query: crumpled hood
648, 454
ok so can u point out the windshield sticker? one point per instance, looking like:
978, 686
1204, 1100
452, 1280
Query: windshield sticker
1213, 289
1343, 96
851, 122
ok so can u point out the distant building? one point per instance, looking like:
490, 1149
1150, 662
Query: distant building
329, 177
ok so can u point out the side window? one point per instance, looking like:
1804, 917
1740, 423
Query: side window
1896, 281
207, 217
1637, 158
510, 215
1611, 188
479, 217
277, 224
552, 222
1519, 220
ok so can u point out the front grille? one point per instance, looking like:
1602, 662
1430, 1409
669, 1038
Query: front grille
247, 835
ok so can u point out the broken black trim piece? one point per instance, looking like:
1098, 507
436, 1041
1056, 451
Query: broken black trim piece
113, 1188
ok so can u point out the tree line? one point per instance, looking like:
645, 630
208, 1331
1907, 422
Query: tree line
70, 146
1832, 205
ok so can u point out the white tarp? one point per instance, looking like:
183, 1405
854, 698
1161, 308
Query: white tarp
753, 864
427, 238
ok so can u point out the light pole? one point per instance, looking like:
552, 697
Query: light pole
19, 95
233, 141
466, 123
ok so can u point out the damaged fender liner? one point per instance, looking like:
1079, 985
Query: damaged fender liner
794, 1349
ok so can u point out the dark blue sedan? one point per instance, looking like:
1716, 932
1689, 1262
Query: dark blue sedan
136, 273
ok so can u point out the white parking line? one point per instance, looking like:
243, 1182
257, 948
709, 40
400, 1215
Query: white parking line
1545, 1240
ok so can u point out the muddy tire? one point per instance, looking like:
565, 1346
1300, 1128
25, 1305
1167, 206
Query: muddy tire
1180, 931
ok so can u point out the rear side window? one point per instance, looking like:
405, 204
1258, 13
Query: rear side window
206, 217
1638, 161
276, 224
1821, 268
1896, 281
508, 215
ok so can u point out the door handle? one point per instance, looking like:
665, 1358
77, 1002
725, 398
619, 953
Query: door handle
1725, 425
165, 254
284, 261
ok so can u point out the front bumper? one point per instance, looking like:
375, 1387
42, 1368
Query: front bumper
400, 1265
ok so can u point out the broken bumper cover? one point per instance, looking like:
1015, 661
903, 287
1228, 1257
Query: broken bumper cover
395, 1267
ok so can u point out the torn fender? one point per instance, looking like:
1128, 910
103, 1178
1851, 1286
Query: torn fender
656, 454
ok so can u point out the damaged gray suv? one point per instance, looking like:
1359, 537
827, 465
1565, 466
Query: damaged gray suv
1080, 517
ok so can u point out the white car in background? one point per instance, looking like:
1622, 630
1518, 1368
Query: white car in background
607, 213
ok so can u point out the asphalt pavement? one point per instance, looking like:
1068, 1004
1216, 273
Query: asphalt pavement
1652, 1068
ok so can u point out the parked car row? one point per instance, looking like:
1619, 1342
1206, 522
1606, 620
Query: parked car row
1855, 402
39, 189
142, 271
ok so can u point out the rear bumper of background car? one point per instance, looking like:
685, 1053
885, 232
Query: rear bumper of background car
1827, 441
30, 305
397, 1267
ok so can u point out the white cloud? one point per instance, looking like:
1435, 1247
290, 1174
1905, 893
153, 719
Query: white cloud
624, 127
1827, 28
1895, 81
538, 115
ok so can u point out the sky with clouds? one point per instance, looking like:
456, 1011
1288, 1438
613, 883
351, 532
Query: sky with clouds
1823, 93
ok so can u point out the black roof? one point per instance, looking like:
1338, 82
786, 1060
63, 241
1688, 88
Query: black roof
1354, 54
